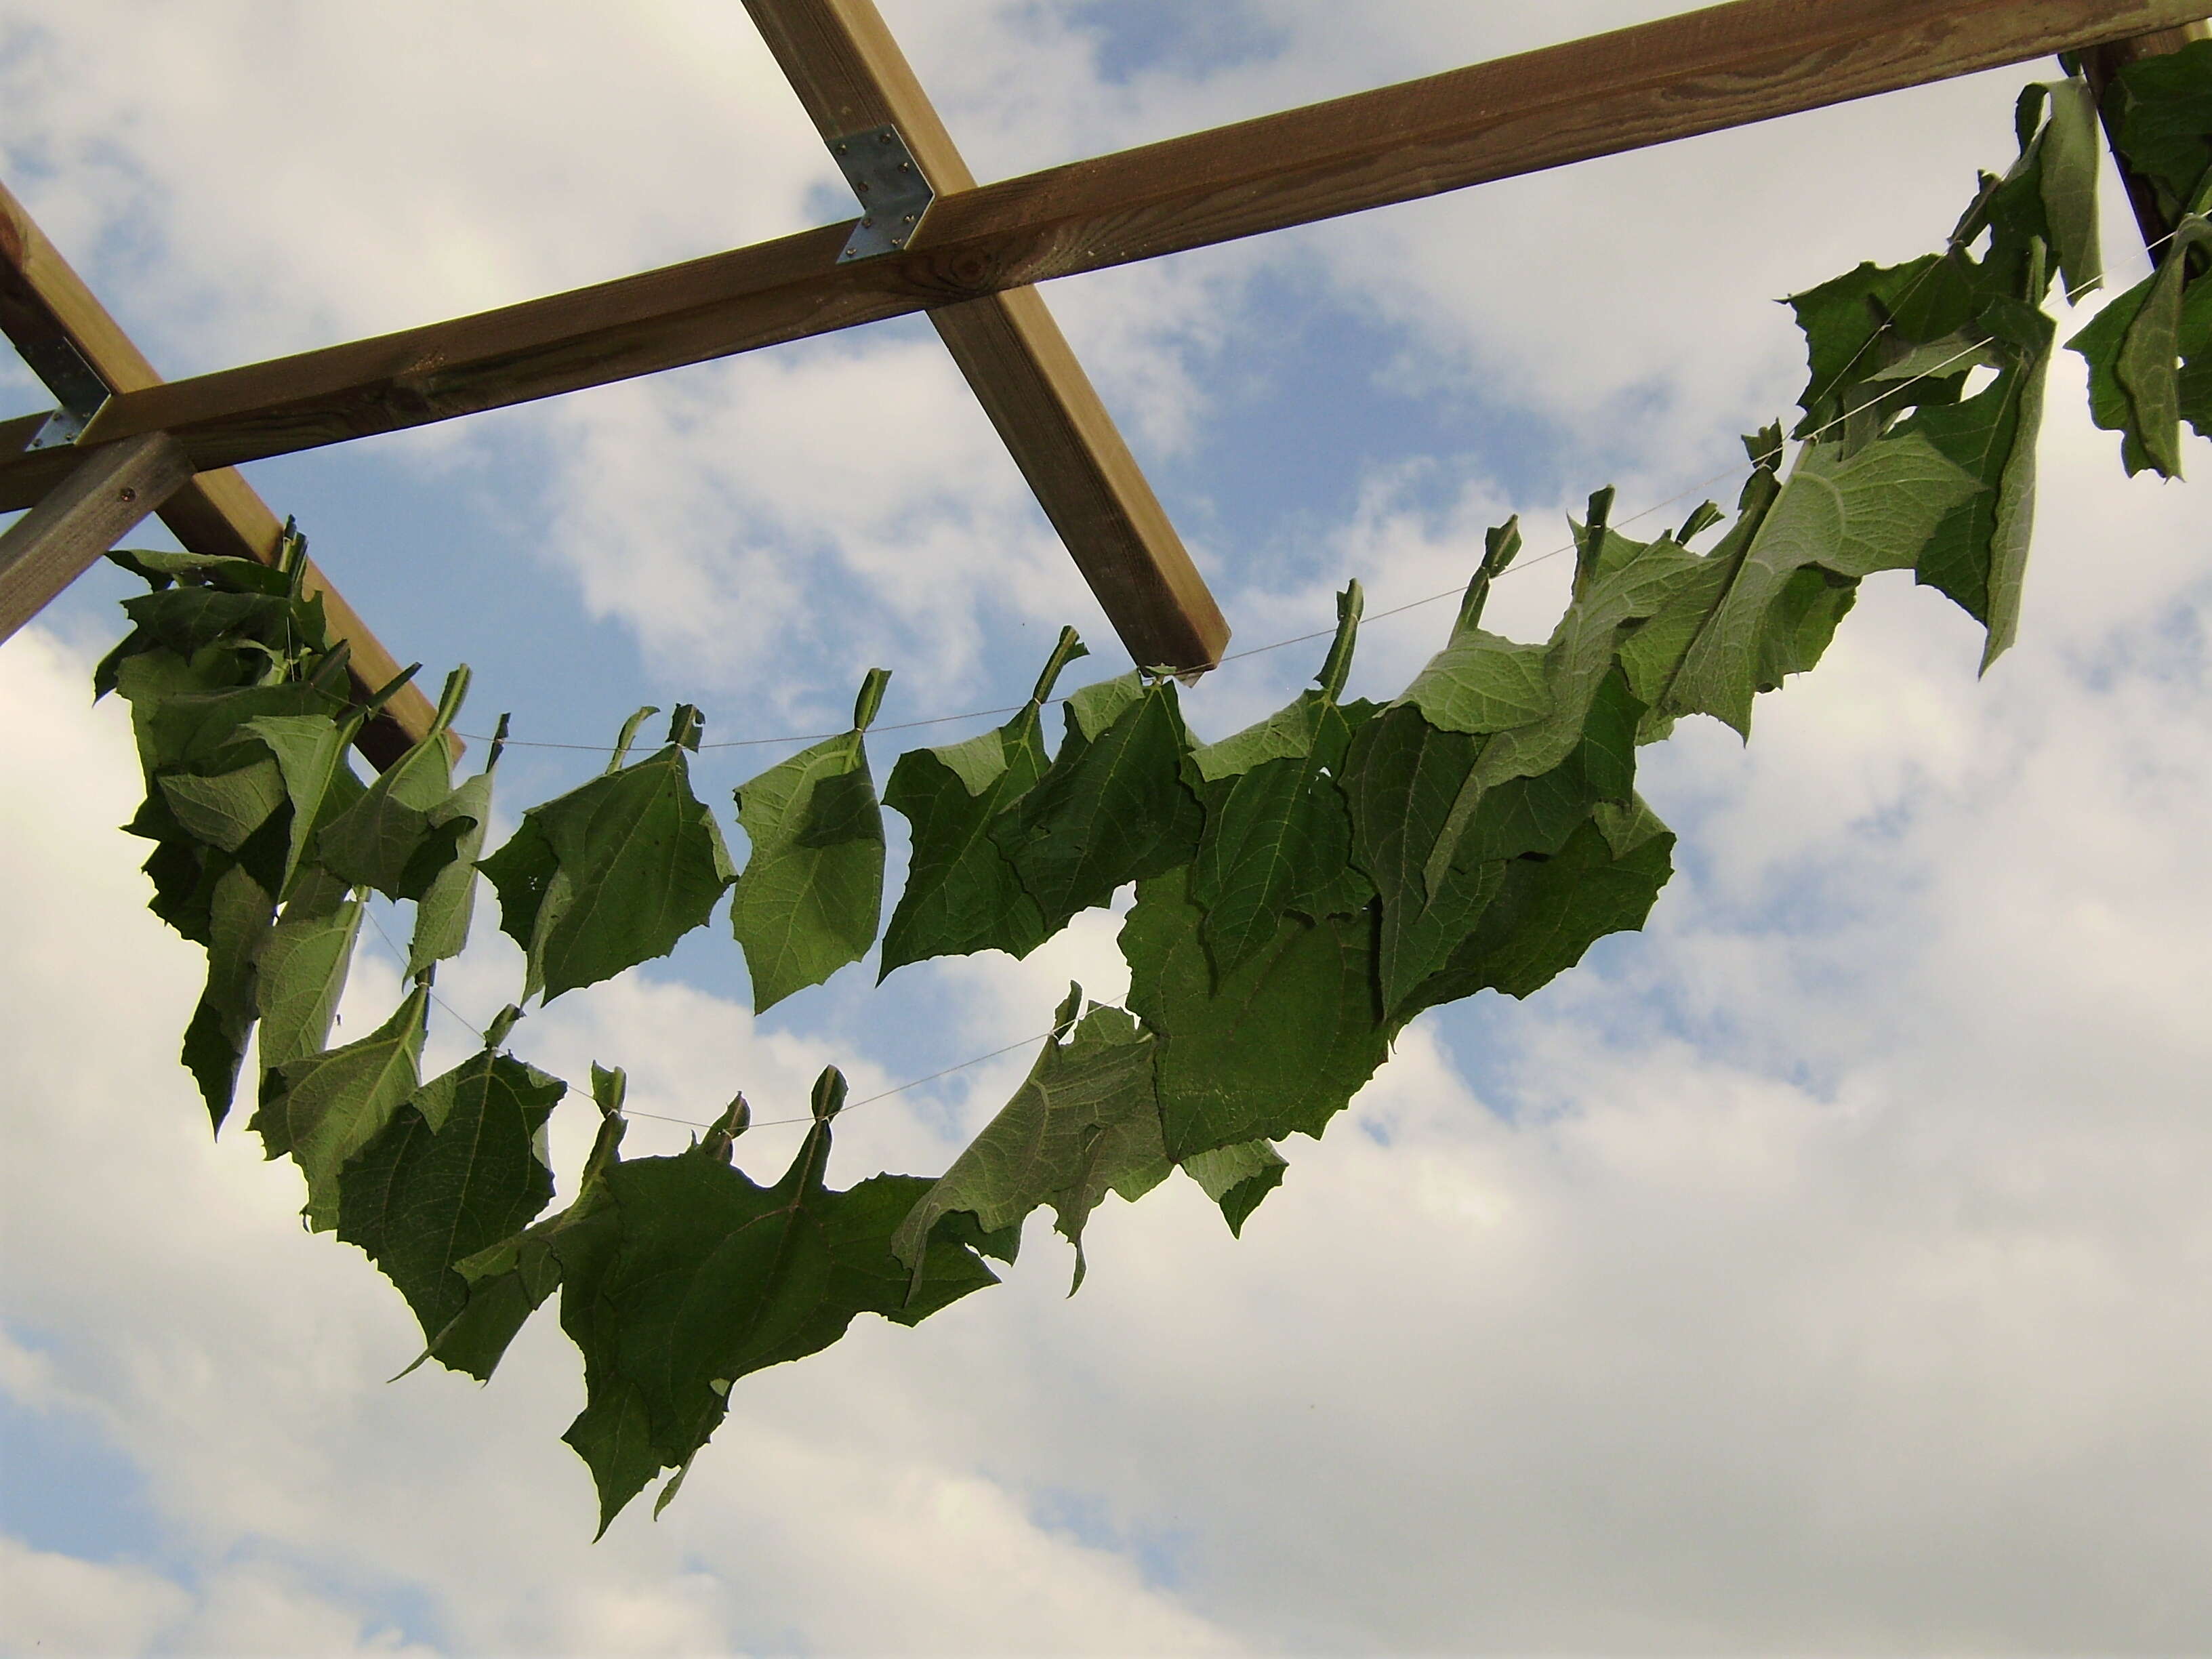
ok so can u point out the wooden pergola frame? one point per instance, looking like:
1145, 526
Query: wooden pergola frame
126, 443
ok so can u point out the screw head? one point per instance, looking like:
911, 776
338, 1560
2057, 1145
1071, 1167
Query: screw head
126, 494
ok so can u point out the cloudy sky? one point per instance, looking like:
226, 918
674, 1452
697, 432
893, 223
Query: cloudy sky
1828, 1268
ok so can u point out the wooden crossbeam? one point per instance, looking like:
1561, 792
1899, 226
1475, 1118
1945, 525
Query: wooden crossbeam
850, 75
52, 317
1725, 66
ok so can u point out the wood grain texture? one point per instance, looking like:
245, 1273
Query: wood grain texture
1725, 66
216, 514
113, 488
850, 75
2098, 66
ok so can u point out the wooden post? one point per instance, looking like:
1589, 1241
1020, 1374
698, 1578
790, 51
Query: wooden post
113, 488
850, 75
49, 312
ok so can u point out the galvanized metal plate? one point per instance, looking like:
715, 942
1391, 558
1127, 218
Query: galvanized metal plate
894, 194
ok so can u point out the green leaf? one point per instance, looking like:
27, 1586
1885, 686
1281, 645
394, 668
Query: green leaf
962, 893
310, 753
1114, 806
232, 576
326, 1107
2072, 156
1481, 682
1546, 915
1858, 325
188, 731
456, 1170
2047, 202
302, 974
2139, 386
226, 808
1876, 510
610, 874
1623, 584
2160, 110
398, 837
812, 891
189, 619
240, 912
443, 912
691, 1277
1237, 1178
1404, 778
2148, 365
1522, 816
1084, 1123
1978, 552
1281, 1045
508, 1281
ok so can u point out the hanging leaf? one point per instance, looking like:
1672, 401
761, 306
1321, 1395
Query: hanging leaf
398, 837
1116, 805
2160, 113
609, 875
240, 912
456, 1170
2134, 347
326, 1107
1237, 1178
1978, 554
1281, 1045
1877, 510
1402, 777
1278, 834
301, 972
1546, 914
812, 891
962, 893
1863, 326
690, 1277
1527, 816
508, 1281
1084, 1123
443, 913
309, 750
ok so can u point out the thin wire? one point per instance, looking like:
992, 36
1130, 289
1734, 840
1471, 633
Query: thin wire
1411, 604
764, 1123
1519, 566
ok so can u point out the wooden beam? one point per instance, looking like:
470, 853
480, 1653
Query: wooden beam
113, 488
2098, 66
46, 310
1725, 66
850, 75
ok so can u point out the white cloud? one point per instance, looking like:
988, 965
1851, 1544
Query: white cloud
1826, 1269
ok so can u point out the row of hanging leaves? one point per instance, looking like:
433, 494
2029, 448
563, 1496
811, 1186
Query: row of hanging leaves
1303, 888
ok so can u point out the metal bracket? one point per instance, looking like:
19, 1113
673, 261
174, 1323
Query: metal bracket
893, 191
58, 362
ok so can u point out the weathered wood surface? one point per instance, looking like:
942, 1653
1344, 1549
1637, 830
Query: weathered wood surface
1724, 66
850, 75
113, 488
43, 301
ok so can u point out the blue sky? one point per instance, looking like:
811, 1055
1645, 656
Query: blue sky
1822, 1268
